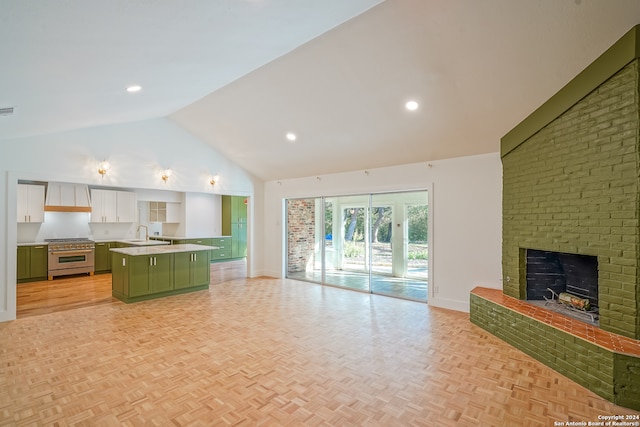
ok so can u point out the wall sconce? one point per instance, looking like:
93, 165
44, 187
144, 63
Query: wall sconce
166, 174
212, 180
103, 167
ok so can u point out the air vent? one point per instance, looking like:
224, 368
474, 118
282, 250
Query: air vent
7, 111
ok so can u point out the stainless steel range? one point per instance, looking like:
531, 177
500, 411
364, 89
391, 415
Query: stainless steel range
71, 256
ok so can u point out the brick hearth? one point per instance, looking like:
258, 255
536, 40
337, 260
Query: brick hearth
606, 363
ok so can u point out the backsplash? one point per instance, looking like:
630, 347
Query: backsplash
58, 225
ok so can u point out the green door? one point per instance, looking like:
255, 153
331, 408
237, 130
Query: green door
160, 274
103, 257
24, 261
191, 269
234, 224
200, 272
239, 240
39, 261
239, 209
182, 270
139, 271
120, 274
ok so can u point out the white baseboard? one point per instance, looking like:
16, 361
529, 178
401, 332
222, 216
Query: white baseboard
267, 273
450, 304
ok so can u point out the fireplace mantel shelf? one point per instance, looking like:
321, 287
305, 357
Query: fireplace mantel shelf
590, 333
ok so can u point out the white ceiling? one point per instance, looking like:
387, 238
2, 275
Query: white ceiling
239, 74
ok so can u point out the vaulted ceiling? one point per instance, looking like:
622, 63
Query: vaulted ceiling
241, 74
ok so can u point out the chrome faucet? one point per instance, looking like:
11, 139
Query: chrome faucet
146, 229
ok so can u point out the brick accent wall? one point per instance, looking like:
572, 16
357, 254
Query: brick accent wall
301, 225
573, 187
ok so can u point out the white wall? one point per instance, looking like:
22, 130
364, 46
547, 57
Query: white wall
466, 211
137, 153
202, 218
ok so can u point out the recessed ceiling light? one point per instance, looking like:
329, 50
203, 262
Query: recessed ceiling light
291, 136
411, 105
134, 88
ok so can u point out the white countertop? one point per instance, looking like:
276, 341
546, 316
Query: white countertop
160, 249
34, 244
141, 242
152, 236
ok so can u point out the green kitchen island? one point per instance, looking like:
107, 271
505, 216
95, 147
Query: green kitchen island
147, 272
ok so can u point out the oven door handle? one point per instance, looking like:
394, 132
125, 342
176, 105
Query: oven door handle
70, 252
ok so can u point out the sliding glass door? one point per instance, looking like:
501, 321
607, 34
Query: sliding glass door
347, 259
399, 244
370, 242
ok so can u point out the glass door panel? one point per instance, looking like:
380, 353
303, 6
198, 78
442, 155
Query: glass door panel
347, 251
381, 239
398, 245
418, 248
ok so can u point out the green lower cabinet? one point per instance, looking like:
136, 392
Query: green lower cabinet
39, 261
103, 256
142, 277
24, 262
224, 248
32, 263
191, 269
119, 275
150, 274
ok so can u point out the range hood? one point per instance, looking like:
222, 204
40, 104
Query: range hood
67, 197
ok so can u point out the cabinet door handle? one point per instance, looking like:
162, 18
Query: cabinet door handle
155, 260
150, 261
124, 262
195, 257
38, 247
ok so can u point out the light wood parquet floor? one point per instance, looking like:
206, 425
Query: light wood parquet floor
275, 352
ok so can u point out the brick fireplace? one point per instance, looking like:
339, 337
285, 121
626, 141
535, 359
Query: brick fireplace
571, 186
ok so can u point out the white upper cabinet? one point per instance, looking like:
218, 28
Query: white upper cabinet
164, 212
113, 206
30, 203
125, 206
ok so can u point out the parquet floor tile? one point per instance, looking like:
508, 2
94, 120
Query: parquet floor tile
275, 352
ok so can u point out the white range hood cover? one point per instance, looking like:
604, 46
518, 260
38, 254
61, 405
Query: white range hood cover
67, 197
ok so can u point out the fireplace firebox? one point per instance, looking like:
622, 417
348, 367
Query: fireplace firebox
561, 272
563, 282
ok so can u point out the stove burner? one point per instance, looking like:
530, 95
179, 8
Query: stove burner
69, 239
